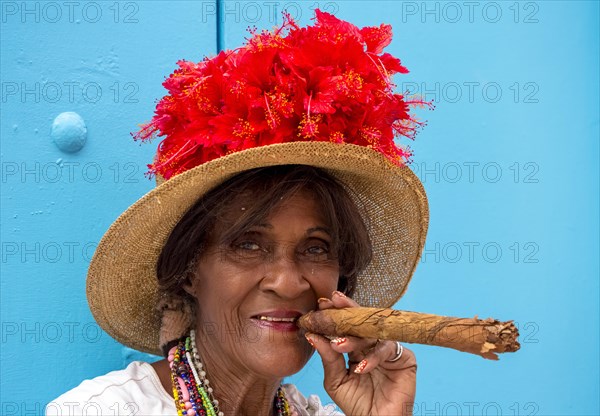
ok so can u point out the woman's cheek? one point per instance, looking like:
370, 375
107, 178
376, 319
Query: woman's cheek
328, 281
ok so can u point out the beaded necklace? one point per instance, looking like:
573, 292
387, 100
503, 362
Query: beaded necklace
191, 389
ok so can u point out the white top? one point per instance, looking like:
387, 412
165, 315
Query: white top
137, 391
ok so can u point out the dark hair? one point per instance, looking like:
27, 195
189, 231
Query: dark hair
266, 187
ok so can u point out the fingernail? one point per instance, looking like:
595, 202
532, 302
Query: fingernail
321, 300
340, 294
360, 367
309, 339
338, 341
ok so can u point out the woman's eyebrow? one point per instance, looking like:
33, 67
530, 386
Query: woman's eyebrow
308, 231
323, 229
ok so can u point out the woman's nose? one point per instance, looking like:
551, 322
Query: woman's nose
284, 275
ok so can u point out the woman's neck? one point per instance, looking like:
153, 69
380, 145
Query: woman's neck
238, 391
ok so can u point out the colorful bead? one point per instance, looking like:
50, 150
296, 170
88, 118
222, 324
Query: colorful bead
185, 394
191, 389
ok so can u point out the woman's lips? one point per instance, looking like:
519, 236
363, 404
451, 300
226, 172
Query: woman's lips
280, 320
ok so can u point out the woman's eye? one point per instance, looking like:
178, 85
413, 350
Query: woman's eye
248, 245
316, 250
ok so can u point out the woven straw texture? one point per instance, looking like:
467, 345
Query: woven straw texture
122, 285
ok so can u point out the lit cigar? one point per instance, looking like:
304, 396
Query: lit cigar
484, 337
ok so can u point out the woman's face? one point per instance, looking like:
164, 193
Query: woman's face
250, 292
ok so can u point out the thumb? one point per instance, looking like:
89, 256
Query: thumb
334, 364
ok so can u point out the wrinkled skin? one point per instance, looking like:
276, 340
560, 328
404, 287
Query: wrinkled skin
285, 266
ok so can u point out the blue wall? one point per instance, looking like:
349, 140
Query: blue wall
509, 160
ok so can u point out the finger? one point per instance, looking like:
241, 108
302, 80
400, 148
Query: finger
325, 303
357, 349
334, 364
342, 301
407, 360
349, 344
380, 357
382, 352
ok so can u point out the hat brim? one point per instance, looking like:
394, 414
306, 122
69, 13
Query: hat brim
122, 288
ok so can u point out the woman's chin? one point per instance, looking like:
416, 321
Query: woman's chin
282, 362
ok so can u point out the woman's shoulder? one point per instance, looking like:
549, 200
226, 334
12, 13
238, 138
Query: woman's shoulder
308, 406
116, 393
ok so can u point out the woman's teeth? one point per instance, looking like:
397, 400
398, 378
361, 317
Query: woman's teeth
270, 318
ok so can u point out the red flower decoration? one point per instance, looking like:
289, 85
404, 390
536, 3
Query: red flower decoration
327, 82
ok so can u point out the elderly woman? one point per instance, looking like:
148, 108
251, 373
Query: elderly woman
280, 191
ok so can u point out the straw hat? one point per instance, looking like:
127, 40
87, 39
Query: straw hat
215, 127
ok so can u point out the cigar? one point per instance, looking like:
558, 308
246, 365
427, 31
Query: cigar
483, 337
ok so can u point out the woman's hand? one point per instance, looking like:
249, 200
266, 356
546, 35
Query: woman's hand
370, 385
